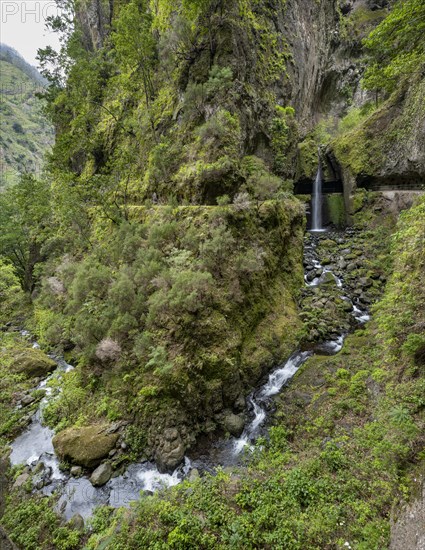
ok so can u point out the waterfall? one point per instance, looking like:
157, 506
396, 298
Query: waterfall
316, 199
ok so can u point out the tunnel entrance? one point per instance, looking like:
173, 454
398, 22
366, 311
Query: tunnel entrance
305, 187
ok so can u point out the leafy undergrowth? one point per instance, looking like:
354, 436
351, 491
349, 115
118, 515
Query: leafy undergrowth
137, 307
12, 384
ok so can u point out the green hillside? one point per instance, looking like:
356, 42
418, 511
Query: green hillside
25, 133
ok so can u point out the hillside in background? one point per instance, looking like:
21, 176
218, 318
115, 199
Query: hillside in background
25, 133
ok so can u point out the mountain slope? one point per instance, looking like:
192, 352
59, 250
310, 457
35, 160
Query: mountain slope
25, 133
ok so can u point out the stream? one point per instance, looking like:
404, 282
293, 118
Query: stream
78, 496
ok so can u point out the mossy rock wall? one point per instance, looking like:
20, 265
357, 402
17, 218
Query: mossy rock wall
387, 150
335, 208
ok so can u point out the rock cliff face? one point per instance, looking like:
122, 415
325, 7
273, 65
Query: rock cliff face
388, 150
279, 54
94, 18
303, 54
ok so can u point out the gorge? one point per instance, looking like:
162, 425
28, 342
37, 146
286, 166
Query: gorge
212, 300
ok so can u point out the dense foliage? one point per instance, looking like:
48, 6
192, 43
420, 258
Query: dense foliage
137, 306
397, 47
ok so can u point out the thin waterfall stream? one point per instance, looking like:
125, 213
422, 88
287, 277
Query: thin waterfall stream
79, 496
317, 200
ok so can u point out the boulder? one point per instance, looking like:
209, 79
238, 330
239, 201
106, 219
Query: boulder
27, 400
365, 282
327, 278
234, 423
194, 475
101, 475
84, 446
76, 471
33, 362
39, 467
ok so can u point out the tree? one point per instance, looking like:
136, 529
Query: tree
11, 295
24, 226
396, 47
135, 44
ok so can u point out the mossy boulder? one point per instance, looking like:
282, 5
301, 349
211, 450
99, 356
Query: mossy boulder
33, 362
84, 446
234, 423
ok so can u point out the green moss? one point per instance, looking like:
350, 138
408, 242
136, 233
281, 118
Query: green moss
386, 132
336, 208
307, 158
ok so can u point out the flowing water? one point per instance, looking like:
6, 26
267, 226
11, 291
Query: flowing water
316, 201
78, 495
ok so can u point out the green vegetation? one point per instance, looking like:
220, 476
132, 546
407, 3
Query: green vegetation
34, 525
137, 305
25, 133
179, 134
24, 227
339, 454
161, 252
396, 47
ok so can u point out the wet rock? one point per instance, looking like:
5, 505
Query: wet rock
84, 446
76, 471
346, 305
328, 278
38, 468
33, 362
234, 423
27, 400
101, 475
114, 427
170, 451
365, 282
76, 522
